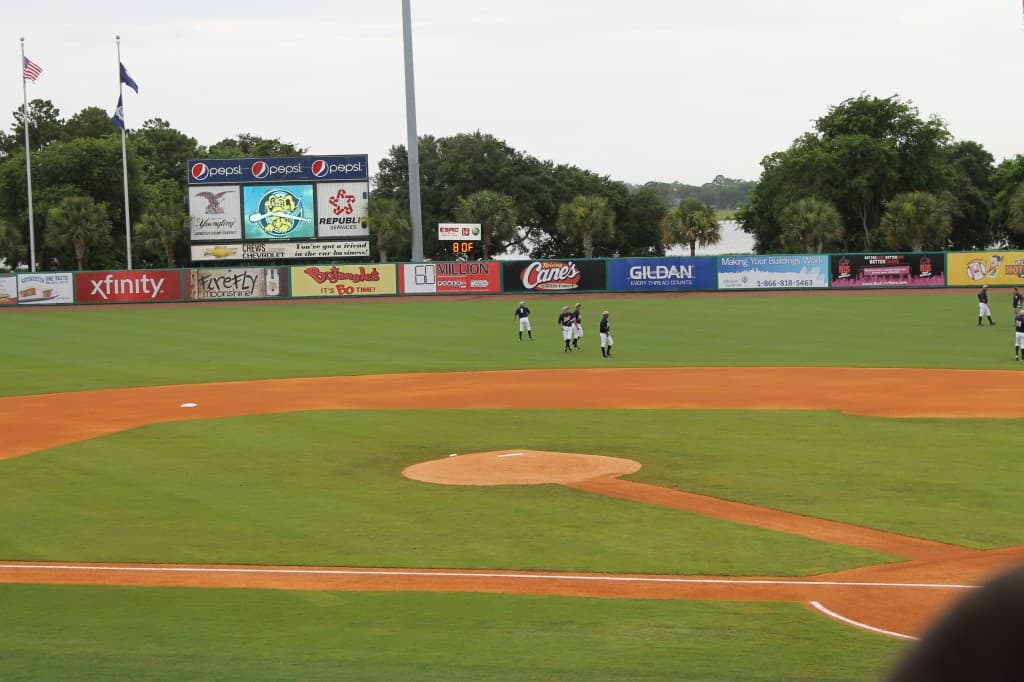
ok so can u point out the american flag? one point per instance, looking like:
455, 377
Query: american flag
31, 70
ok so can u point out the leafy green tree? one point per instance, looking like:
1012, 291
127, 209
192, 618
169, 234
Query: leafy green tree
496, 214
1007, 180
861, 154
12, 249
89, 122
163, 228
80, 225
917, 221
810, 225
1015, 214
972, 167
389, 225
247, 145
44, 127
164, 152
691, 222
584, 219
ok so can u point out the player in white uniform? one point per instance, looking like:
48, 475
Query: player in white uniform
523, 313
983, 309
565, 322
1018, 326
577, 327
605, 333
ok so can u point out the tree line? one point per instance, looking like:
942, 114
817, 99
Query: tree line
525, 205
874, 175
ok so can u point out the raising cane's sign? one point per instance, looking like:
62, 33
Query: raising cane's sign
554, 275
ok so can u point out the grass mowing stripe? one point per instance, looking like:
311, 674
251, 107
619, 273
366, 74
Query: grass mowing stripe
93, 633
89, 348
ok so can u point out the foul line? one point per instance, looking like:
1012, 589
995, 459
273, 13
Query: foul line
466, 574
857, 624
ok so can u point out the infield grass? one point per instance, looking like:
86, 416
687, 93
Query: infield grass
103, 633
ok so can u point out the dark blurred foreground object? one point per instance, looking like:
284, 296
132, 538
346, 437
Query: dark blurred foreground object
980, 639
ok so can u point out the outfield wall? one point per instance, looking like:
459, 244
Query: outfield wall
841, 271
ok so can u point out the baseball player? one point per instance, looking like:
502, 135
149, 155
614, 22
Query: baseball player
565, 322
983, 310
523, 315
1018, 328
577, 327
1018, 300
605, 332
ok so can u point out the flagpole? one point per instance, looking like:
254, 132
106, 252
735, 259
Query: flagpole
28, 165
124, 162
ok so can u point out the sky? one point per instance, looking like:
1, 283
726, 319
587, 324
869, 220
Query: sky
663, 90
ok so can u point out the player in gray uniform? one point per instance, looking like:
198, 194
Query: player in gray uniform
605, 333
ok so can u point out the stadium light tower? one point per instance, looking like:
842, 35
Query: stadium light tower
415, 214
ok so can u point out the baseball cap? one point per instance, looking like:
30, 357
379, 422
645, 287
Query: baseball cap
522, 303
565, 307
605, 312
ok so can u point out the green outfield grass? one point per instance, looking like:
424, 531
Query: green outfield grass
75, 633
324, 488
73, 349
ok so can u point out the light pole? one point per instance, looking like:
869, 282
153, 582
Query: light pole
415, 214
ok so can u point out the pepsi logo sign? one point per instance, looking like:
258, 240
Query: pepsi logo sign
200, 171
260, 169
319, 168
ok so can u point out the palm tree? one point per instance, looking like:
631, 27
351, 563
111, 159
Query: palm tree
390, 224
691, 222
810, 224
586, 218
81, 223
917, 221
11, 247
495, 212
162, 228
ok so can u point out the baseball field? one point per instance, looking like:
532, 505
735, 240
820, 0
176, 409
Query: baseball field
773, 487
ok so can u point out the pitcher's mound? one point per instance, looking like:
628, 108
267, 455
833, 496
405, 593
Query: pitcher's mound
519, 467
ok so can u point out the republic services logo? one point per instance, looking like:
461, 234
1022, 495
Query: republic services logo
342, 202
280, 212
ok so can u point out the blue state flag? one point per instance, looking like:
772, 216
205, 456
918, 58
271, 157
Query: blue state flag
118, 117
128, 80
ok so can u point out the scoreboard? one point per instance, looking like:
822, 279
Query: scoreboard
462, 240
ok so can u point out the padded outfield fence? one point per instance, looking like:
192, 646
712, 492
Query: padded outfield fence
863, 271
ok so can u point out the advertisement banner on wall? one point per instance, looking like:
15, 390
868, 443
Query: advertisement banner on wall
128, 286
460, 277
281, 250
986, 267
215, 212
50, 288
888, 270
344, 280
216, 284
278, 211
344, 167
553, 276
341, 209
8, 289
661, 274
800, 271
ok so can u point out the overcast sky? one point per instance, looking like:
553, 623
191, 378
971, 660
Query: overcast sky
668, 90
